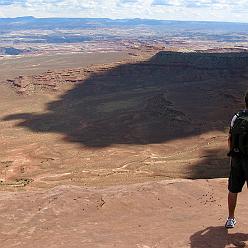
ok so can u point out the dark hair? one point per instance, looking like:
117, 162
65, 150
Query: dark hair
246, 99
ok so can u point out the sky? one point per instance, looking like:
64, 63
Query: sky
202, 10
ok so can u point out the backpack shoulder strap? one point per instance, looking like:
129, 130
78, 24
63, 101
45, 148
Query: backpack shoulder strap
241, 113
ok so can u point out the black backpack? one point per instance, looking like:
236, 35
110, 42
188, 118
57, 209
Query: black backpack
239, 135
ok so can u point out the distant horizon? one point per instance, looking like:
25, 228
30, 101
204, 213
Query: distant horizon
116, 19
178, 10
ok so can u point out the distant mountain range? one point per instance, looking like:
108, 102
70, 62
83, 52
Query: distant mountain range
29, 22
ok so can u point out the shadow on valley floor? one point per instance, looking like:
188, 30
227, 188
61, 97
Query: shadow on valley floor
217, 237
168, 97
149, 102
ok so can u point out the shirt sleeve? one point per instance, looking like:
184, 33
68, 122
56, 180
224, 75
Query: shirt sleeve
233, 121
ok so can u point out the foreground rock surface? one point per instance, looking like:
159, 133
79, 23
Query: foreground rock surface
179, 213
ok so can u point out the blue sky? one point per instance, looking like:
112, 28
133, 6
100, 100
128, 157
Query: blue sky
207, 10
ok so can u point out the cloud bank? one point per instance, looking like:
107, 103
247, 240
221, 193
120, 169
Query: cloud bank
208, 10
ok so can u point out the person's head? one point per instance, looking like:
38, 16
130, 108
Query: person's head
246, 99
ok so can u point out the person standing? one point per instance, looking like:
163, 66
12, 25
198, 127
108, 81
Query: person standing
238, 152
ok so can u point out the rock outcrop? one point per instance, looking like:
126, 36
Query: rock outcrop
162, 69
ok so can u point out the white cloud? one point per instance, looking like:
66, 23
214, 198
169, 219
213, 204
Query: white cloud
213, 10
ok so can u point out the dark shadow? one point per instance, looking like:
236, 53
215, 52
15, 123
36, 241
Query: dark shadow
171, 96
217, 237
214, 163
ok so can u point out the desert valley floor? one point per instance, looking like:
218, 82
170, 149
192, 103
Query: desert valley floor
129, 152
